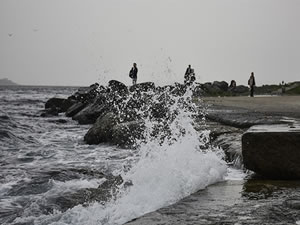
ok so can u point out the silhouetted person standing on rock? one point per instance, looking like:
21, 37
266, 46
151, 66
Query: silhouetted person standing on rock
133, 73
251, 83
189, 76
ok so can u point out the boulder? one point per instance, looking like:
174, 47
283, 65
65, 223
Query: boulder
146, 86
87, 94
113, 100
49, 112
209, 89
58, 121
61, 104
273, 151
102, 130
179, 89
126, 134
198, 90
166, 88
117, 86
222, 85
76, 108
90, 113
159, 110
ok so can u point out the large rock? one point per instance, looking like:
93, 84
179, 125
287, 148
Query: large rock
146, 86
90, 113
166, 88
117, 87
61, 104
179, 89
126, 134
87, 94
222, 85
273, 151
49, 112
198, 90
116, 99
102, 130
210, 89
76, 108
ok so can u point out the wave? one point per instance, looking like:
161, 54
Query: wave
165, 169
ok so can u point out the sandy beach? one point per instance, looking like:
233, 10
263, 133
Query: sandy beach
276, 104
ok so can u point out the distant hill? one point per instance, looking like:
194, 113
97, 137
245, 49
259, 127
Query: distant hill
6, 82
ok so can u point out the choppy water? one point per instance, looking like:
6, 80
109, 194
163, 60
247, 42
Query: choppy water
42, 160
48, 175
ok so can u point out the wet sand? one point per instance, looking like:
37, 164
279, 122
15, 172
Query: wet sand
289, 105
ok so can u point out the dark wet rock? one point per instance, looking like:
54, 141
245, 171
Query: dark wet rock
126, 134
91, 112
272, 152
159, 110
59, 121
198, 90
87, 94
110, 100
102, 194
226, 137
49, 112
76, 108
222, 85
166, 88
61, 104
117, 86
210, 89
179, 89
101, 131
146, 86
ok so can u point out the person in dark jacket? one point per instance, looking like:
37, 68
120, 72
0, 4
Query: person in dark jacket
251, 83
133, 74
189, 76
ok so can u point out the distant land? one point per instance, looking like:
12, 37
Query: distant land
6, 82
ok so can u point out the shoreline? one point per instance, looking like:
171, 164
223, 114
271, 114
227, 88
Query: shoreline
265, 104
250, 200
244, 112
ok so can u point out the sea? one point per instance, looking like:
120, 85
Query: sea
48, 175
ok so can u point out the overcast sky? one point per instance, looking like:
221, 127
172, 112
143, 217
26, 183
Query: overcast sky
72, 42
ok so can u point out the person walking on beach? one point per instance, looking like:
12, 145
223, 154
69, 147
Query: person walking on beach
251, 83
133, 73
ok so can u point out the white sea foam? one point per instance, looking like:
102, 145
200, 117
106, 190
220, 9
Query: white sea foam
164, 172
73, 185
235, 174
166, 175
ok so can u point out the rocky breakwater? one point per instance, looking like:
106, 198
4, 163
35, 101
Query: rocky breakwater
73, 104
273, 151
118, 113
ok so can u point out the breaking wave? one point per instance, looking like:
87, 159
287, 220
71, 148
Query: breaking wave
166, 167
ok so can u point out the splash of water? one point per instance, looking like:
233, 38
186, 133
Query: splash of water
173, 161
